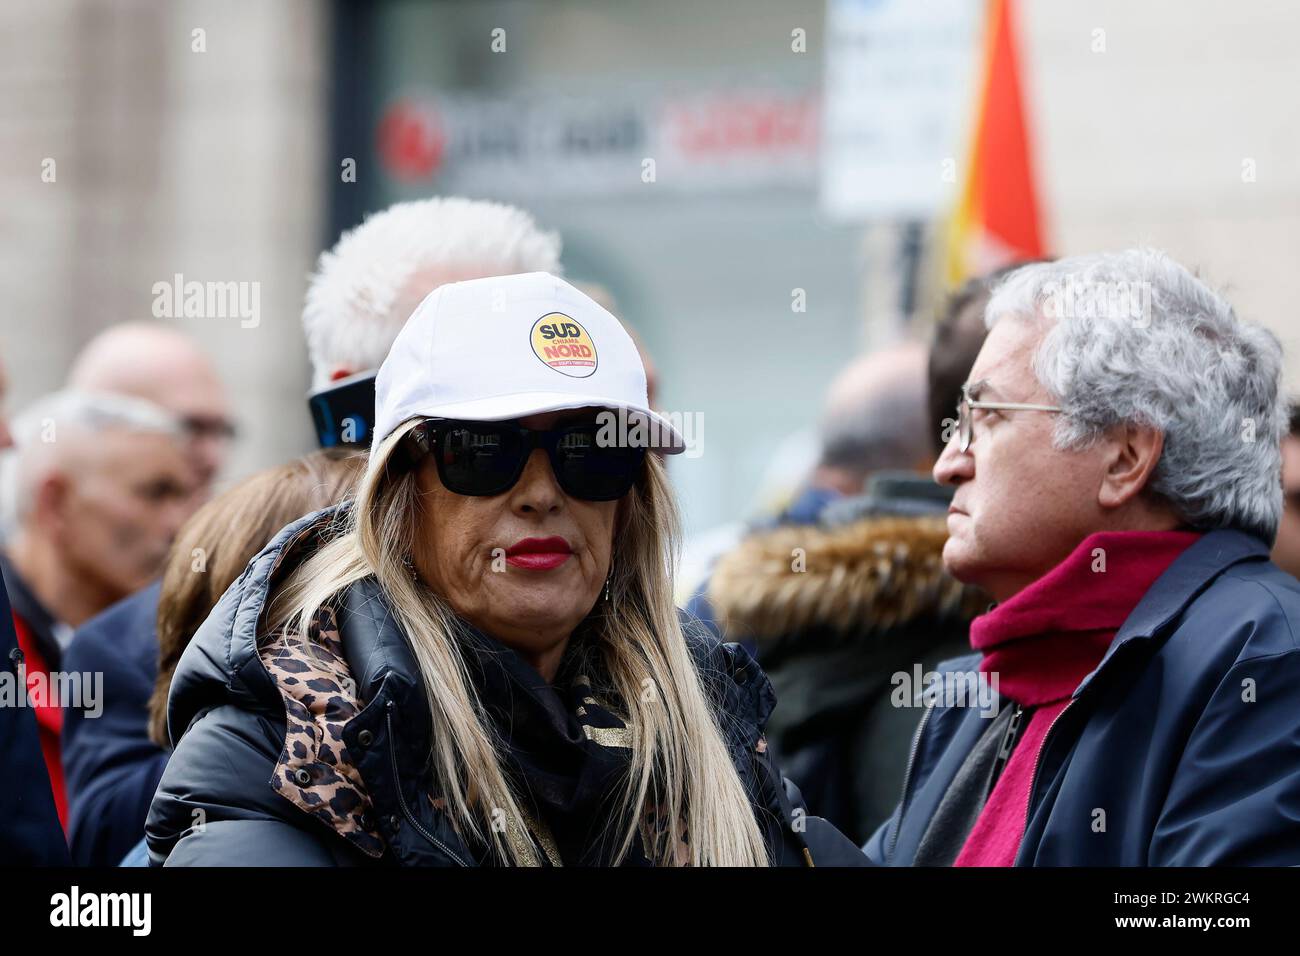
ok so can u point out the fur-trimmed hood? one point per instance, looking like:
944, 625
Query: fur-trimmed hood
856, 580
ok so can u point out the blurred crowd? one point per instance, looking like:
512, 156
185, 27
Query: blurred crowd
116, 549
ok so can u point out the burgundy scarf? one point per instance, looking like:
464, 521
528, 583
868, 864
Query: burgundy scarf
1042, 642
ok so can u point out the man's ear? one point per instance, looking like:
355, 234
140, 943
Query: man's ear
1134, 453
50, 504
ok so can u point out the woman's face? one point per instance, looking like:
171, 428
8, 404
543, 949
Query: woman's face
525, 566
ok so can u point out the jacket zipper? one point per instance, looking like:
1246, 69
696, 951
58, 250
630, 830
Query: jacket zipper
907, 780
1033, 778
401, 798
1007, 746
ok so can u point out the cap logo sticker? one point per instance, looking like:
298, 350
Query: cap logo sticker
564, 345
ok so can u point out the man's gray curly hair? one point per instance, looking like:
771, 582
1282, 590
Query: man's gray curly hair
1135, 337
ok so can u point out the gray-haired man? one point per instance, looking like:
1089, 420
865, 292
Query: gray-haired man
1116, 466
102, 484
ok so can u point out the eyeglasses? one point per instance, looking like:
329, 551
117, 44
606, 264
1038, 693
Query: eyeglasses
967, 403
486, 458
200, 427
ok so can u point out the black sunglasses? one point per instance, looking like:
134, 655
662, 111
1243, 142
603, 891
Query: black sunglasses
487, 458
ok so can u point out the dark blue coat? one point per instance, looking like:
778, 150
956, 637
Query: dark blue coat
111, 767
1181, 749
30, 834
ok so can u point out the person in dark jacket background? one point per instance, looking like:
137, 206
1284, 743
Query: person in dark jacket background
154, 367
872, 419
31, 834
95, 512
1116, 468
838, 607
868, 600
110, 766
113, 763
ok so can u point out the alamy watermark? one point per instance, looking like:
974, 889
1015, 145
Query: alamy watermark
75, 690
1120, 300
133, 911
922, 688
621, 429
180, 299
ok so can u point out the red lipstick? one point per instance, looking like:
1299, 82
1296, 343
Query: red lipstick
539, 554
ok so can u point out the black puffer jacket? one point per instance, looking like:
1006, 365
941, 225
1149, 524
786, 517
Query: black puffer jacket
322, 761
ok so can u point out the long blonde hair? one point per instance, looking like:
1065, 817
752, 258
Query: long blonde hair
680, 773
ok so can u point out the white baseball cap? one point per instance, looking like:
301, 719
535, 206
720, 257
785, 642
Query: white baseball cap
507, 347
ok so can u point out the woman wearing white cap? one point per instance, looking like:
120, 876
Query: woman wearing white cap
479, 660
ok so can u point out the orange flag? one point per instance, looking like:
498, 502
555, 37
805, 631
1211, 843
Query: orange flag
997, 216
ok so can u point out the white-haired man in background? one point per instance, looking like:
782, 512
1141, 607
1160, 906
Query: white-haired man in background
366, 287
101, 485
